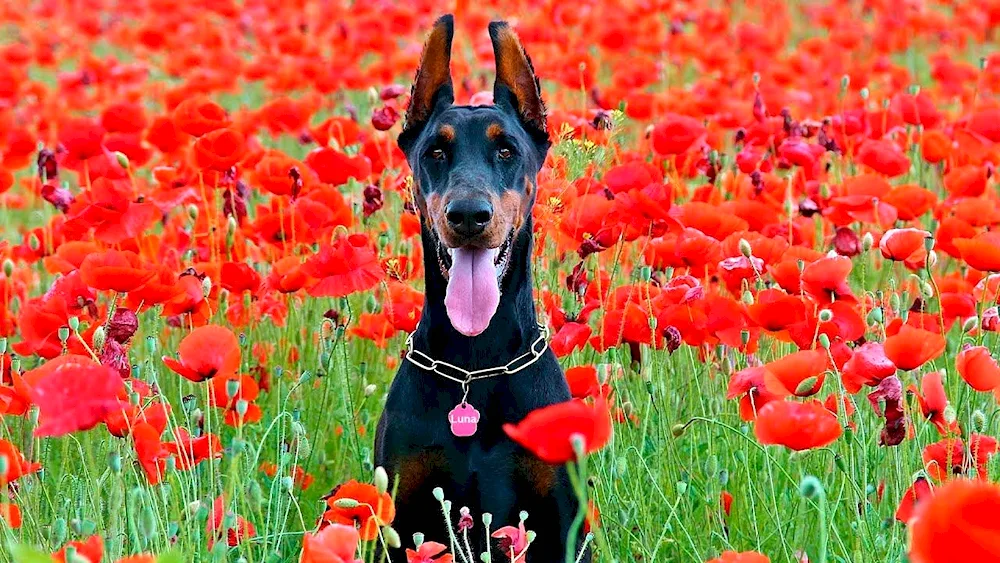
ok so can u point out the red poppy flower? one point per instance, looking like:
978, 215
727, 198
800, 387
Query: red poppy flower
799, 373
335, 168
429, 552
219, 150
883, 157
548, 432
513, 540
238, 277
583, 382
933, 402
199, 115
981, 252
335, 543
978, 368
92, 549
905, 245
215, 528
570, 337
741, 557
115, 270
797, 426
676, 134
748, 385
206, 352
957, 524
912, 347
867, 366
918, 492
17, 466
373, 510
75, 397
825, 280
10, 513
347, 266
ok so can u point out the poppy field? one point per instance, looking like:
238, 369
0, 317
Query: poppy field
766, 248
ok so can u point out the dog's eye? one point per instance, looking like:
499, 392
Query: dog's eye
437, 154
504, 153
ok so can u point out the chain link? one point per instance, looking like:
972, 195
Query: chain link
463, 376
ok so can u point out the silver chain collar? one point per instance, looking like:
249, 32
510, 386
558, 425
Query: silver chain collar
464, 377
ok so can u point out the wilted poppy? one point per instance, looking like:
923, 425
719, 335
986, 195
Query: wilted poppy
868, 365
548, 432
797, 426
206, 352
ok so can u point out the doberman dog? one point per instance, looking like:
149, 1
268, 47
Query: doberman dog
474, 171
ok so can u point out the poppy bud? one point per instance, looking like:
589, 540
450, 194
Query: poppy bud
949, 414
232, 388
926, 289
579, 445
894, 302
99, 338
970, 324
682, 488
723, 477
58, 532
150, 345
122, 159
8, 267
745, 248
806, 386
241, 407
192, 211
438, 493
747, 298
3, 345
147, 523
447, 506
33, 243
867, 242
383, 240
678, 430
845, 82
744, 337
531, 536
523, 515
711, 465
4, 465
381, 480
63, 334
646, 273
978, 421
206, 286
864, 94
391, 537
838, 460
810, 487
932, 259
418, 538
487, 519
826, 315
824, 341
875, 316
287, 483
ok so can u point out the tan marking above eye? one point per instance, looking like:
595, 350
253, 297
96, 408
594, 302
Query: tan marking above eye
494, 131
447, 132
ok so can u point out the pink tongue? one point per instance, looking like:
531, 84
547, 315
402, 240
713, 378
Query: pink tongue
472, 295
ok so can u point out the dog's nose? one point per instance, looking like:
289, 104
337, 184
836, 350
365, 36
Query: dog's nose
469, 217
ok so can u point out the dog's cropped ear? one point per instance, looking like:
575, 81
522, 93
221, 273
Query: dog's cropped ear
432, 85
516, 86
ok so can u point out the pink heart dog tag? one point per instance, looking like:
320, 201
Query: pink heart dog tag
464, 419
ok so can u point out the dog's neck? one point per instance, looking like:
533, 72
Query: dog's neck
509, 333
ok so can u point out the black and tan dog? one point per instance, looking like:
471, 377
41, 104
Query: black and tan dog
474, 171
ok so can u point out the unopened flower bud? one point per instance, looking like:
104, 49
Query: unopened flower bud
826, 315
810, 487
391, 537
381, 480
745, 248
122, 159
346, 503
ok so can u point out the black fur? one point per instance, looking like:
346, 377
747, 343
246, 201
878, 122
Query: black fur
486, 472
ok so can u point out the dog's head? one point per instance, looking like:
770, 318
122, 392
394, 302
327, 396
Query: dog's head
474, 169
